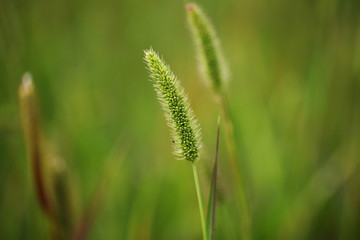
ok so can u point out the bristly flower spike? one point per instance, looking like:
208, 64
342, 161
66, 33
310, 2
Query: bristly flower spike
180, 117
212, 64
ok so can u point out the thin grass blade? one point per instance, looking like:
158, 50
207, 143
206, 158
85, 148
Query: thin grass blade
210, 223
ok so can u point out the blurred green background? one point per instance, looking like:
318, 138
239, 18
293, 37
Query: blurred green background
294, 93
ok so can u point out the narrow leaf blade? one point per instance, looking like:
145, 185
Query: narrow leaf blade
210, 223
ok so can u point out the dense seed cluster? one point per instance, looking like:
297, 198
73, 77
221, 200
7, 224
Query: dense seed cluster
185, 130
209, 54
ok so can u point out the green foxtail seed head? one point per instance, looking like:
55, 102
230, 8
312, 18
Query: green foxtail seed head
184, 127
212, 64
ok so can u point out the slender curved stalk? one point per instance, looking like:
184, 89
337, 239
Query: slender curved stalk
201, 209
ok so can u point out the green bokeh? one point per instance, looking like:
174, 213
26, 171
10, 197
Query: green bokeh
294, 93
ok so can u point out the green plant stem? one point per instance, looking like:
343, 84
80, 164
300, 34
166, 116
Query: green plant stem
201, 209
235, 169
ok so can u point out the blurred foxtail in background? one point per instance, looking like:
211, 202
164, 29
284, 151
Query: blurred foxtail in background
49, 174
215, 72
55, 188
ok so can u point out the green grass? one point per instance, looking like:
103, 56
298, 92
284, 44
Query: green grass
293, 97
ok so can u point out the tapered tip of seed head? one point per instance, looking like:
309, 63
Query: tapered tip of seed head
189, 7
149, 54
26, 86
148, 51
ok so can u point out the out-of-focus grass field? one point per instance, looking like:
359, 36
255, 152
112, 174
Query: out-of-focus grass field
294, 93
